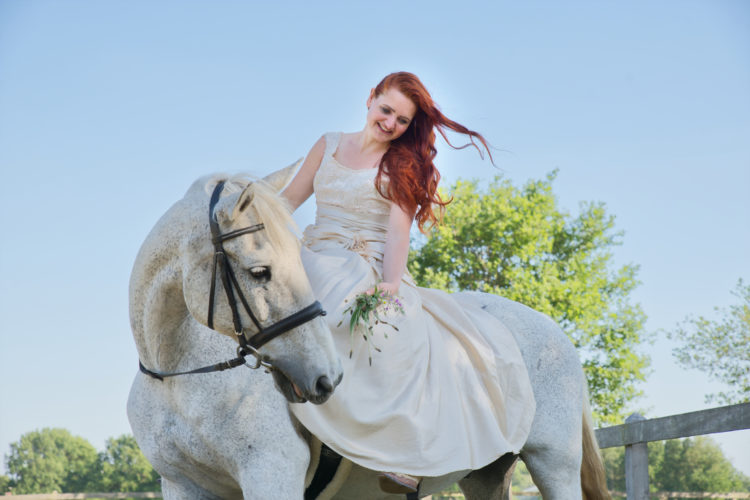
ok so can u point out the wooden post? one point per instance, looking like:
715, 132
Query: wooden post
636, 466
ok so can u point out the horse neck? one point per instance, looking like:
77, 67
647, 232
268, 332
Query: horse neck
158, 313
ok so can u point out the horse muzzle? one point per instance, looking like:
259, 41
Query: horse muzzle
317, 391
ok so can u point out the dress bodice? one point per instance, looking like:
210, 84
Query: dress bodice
350, 212
353, 191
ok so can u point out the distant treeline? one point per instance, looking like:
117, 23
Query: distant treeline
50, 460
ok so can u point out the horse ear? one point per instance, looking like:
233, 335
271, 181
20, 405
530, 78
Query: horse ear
281, 178
246, 197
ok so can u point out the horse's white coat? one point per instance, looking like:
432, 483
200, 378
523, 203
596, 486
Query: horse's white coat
209, 435
230, 435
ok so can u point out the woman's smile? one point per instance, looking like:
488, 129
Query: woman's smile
384, 129
391, 113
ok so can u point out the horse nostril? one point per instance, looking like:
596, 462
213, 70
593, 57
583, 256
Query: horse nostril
324, 385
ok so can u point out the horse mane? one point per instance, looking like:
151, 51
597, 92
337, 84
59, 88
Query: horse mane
272, 210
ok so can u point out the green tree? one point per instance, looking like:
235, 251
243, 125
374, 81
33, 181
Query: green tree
123, 467
720, 347
614, 467
518, 243
51, 460
698, 465
695, 465
670, 476
5, 484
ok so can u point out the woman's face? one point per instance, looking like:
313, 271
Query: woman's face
389, 115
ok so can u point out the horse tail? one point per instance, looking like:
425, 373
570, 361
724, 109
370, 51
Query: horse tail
593, 477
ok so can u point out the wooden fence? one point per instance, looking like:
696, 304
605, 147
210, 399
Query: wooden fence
637, 431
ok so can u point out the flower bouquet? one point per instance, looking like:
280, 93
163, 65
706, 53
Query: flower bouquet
366, 311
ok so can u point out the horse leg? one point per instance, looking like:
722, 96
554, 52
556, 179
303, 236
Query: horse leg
557, 475
491, 482
275, 467
555, 463
553, 450
184, 489
274, 479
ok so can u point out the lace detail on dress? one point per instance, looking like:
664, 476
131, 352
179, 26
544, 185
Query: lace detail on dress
352, 190
332, 142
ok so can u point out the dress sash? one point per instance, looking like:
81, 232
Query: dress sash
347, 231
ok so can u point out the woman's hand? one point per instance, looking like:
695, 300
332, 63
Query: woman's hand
388, 288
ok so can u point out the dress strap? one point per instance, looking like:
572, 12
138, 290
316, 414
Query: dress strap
332, 142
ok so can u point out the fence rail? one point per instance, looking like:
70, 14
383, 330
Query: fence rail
722, 419
636, 432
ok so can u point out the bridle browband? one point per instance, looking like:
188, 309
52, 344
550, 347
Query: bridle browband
229, 282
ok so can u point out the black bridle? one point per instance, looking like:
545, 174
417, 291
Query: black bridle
248, 346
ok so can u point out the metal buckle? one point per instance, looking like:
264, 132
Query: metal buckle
248, 350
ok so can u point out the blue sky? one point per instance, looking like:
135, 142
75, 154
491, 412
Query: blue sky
109, 110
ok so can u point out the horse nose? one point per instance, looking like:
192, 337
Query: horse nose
323, 386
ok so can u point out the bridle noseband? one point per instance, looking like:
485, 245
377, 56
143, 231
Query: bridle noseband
231, 285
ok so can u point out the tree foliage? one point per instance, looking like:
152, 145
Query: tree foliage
518, 243
54, 460
125, 468
696, 465
5, 484
51, 460
720, 347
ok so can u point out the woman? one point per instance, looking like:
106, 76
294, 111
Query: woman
448, 391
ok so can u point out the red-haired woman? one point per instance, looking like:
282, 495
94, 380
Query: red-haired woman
448, 391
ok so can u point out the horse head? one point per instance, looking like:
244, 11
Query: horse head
269, 286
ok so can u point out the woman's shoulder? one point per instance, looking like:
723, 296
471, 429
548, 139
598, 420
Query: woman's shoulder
331, 142
315, 157
328, 137
334, 137
317, 150
321, 152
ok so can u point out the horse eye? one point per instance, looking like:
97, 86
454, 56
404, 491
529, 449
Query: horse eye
261, 272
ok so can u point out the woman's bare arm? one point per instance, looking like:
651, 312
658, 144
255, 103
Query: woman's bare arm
301, 186
396, 250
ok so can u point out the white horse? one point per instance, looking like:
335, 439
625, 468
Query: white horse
230, 435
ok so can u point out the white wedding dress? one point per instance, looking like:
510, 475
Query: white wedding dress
448, 392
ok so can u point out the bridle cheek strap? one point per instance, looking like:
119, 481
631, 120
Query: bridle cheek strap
263, 335
229, 282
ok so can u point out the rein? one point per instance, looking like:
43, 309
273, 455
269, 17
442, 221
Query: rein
248, 346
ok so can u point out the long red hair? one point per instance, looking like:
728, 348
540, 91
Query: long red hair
408, 166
